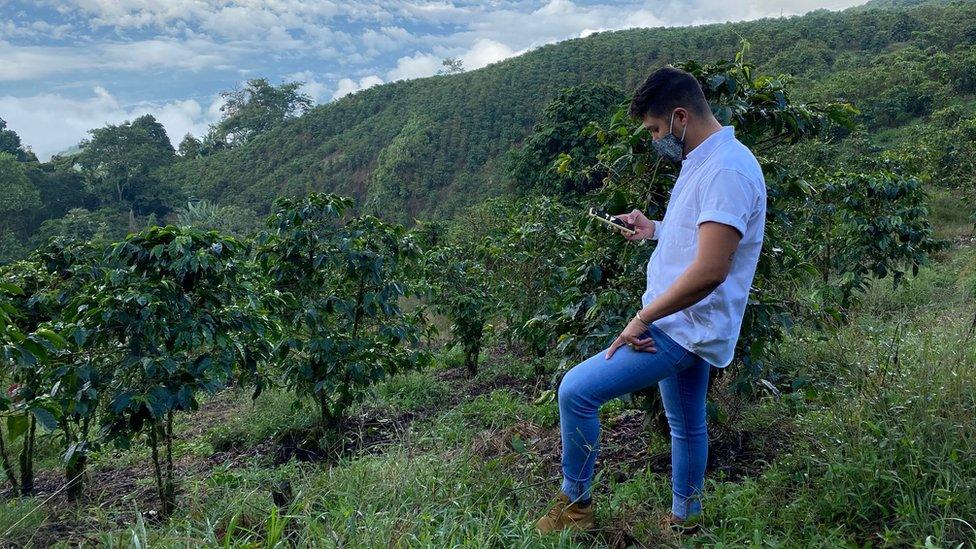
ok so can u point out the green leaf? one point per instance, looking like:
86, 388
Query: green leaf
11, 289
16, 426
121, 402
53, 337
45, 418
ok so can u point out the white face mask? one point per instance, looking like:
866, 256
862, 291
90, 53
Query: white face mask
671, 147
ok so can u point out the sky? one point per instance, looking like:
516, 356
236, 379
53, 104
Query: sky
67, 66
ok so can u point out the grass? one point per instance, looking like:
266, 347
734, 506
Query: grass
882, 434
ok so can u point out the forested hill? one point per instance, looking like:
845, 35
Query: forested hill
430, 145
426, 147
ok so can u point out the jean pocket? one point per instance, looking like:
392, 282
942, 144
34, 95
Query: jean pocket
663, 341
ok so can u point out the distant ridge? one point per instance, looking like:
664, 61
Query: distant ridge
445, 137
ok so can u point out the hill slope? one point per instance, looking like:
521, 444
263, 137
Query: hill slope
447, 135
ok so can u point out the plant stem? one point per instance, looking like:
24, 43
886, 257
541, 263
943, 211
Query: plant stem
170, 486
154, 445
7, 466
27, 460
359, 305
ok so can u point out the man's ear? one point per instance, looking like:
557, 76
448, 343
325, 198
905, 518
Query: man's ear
681, 116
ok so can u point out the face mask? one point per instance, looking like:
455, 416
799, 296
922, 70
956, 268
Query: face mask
670, 147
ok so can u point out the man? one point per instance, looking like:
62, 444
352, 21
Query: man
698, 281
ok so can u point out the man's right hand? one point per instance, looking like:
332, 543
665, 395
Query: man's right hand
643, 225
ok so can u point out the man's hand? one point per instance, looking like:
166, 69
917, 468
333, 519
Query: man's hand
632, 336
643, 225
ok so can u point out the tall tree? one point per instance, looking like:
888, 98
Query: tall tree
119, 163
18, 198
257, 108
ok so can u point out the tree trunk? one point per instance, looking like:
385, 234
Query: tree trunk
8, 468
157, 469
471, 362
27, 460
74, 477
359, 306
170, 484
132, 220
471, 351
328, 421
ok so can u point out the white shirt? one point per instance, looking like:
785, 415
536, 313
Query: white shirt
720, 180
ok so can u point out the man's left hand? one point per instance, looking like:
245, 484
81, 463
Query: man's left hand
633, 336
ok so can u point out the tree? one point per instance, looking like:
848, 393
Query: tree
397, 178
342, 283
79, 225
452, 65
534, 254
10, 144
190, 147
120, 161
61, 190
18, 199
175, 302
258, 107
531, 167
462, 287
74, 380
867, 225
29, 346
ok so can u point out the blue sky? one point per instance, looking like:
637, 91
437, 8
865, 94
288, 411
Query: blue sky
67, 66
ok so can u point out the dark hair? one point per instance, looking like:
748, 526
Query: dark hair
665, 90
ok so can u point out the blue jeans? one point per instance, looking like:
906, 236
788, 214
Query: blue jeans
682, 378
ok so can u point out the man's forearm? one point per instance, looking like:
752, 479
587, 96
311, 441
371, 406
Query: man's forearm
691, 287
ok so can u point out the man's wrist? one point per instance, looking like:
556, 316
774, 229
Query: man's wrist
655, 229
640, 318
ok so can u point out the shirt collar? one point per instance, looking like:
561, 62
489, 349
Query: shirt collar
708, 146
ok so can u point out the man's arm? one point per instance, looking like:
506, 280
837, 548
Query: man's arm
717, 244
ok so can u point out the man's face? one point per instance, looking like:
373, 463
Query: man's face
660, 125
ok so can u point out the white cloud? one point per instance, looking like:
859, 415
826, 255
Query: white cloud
51, 123
348, 85
556, 7
415, 66
485, 52
311, 85
387, 39
32, 62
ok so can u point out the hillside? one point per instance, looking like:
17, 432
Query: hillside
460, 126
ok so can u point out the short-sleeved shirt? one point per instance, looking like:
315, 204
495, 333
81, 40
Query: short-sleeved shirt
720, 180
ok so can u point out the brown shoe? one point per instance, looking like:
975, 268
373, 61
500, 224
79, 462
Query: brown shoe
687, 527
566, 515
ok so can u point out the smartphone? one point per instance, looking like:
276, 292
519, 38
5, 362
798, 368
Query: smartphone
619, 224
